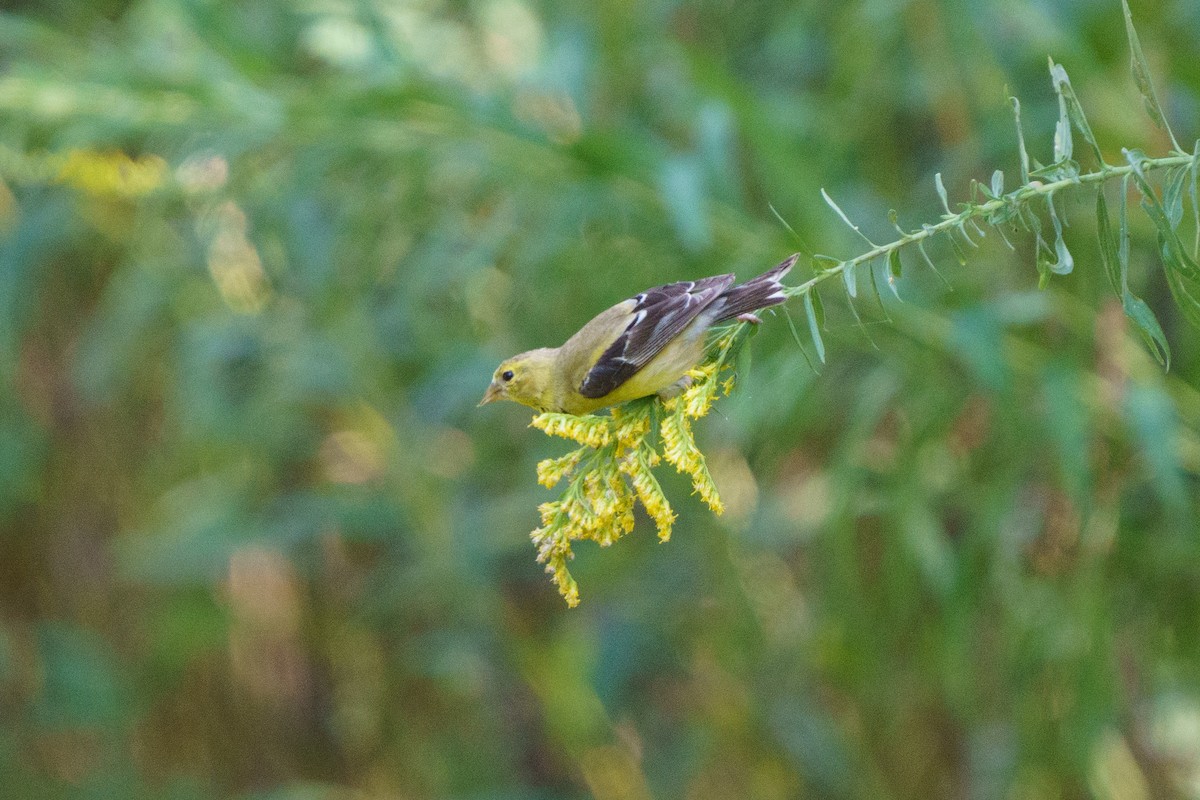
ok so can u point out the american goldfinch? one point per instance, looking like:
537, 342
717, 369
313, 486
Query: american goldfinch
639, 347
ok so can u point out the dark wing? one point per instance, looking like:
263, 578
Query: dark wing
659, 315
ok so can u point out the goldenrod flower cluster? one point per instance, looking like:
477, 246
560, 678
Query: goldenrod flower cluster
681, 452
614, 465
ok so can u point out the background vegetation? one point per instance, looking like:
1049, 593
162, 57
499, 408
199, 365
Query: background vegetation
258, 260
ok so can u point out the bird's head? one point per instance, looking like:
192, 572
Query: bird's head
526, 378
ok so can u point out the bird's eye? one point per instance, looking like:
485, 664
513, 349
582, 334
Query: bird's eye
507, 375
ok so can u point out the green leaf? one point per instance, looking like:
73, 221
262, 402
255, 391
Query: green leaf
1000, 230
998, 183
1175, 256
804, 248
838, 210
1196, 202
1044, 268
878, 294
862, 326
966, 235
1173, 195
1063, 263
894, 270
816, 319
957, 248
1063, 144
796, 336
1185, 287
1108, 247
1123, 235
1068, 101
1147, 325
929, 261
1183, 274
1141, 76
1016, 104
822, 264
851, 280
819, 307
941, 190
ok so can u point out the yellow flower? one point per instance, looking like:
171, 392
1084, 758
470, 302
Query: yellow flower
593, 431
552, 470
631, 427
556, 568
637, 467
680, 451
703, 485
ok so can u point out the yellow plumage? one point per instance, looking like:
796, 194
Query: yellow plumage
639, 347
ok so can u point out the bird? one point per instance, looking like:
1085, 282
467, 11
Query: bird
640, 347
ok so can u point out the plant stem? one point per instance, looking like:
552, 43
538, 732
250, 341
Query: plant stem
1016, 198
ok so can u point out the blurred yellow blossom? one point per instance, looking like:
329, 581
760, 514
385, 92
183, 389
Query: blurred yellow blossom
112, 173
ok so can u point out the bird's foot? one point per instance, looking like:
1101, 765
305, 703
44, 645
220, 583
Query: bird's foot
675, 389
751, 318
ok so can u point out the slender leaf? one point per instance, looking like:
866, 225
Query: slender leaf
1173, 195
925, 255
894, 270
1069, 102
1123, 231
838, 210
1063, 263
1063, 144
1000, 230
1141, 76
796, 336
804, 248
1108, 247
862, 325
941, 190
878, 294
816, 318
1147, 325
850, 278
1196, 202
1185, 287
998, 183
1175, 255
1016, 104
958, 251
822, 264
982, 233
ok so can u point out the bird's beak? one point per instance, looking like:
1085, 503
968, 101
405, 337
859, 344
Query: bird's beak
494, 392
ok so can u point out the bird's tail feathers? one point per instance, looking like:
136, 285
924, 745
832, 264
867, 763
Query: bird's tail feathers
756, 293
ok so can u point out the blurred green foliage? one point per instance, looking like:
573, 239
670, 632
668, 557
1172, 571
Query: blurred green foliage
258, 259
